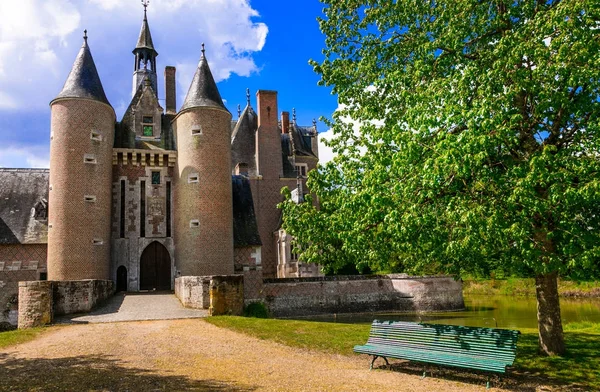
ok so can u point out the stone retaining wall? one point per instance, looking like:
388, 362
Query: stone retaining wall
40, 301
322, 295
193, 291
354, 294
220, 294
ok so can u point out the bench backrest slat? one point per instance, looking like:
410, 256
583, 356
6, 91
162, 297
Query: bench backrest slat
486, 343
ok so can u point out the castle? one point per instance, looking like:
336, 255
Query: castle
159, 194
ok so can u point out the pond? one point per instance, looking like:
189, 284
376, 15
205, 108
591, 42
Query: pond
486, 311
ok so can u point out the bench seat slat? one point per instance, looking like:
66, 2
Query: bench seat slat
437, 358
488, 349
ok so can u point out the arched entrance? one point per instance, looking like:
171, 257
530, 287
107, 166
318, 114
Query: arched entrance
155, 268
122, 278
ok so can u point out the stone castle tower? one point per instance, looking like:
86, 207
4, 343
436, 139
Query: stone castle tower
203, 211
82, 131
164, 193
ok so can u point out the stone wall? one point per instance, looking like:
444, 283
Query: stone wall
9, 289
193, 291
220, 294
78, 296
321, 295
40, 301
349, 294
226, 295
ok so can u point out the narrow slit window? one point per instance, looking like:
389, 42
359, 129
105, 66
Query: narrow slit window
50, 187
193, 178
194, 223
89, 198
96, 136
97, 241
168, 208
196, 131
90, 158
143, 209
122, 212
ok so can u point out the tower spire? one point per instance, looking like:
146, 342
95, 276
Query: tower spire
203, 91
145, 55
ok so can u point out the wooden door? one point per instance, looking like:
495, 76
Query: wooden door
155, 268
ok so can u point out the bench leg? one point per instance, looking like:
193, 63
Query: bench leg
424, 373
487, 384
373, 361
387, 363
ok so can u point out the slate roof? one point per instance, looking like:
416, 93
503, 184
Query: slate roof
23, 198
145, 38
243, 140
83, 80
203, 91
245, 228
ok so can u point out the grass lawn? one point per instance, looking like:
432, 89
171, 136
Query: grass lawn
580, 365
17, 336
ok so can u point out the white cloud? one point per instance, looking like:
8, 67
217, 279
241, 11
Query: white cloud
37, 39
325, 153
25, 157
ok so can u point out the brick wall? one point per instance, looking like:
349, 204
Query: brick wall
17, 263
79, 230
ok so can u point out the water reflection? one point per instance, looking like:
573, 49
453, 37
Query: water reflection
485, 311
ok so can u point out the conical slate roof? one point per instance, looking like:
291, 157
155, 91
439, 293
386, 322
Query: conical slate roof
145, 38
203, 91
83, 80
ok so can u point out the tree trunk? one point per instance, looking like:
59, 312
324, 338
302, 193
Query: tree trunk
548, 314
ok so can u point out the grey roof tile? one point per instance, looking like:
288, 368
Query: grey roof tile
83, 80
203, 91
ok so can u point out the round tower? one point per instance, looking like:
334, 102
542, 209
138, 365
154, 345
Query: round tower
82, 133
203, 212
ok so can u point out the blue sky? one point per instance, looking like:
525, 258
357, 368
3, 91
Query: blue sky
256, 44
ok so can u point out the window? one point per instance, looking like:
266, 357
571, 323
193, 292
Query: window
301, 170
97, 241
194, 223
196, 131
155, 178
148, 126
122, 212
43, 276
89, 158
193, 178
142, 209
168, 208
89, 198
95, 135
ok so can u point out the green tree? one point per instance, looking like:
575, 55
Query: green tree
478, 147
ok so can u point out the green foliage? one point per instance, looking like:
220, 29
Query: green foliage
467, 140
256, 309
578, 367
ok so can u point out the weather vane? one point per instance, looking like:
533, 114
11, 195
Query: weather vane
85, 35
294, 115
248, 96
145, 4
203, 50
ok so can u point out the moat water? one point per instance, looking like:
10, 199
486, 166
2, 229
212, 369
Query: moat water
486, 311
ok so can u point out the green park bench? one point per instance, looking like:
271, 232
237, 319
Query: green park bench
484, 349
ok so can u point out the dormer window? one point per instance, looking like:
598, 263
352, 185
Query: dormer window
148, 126
301, 169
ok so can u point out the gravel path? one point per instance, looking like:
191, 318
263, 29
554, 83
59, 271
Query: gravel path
136, 307
193, 355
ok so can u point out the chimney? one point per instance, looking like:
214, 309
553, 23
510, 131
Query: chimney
267, 108
171, 102
285, 122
